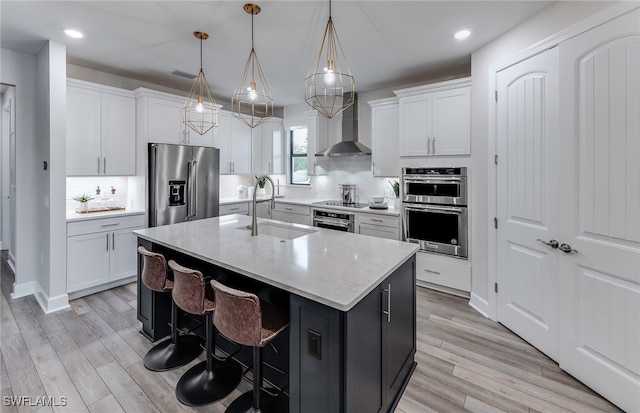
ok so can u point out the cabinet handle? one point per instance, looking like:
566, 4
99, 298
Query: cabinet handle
113, 241
432, 272
376, 220
234, 209
288, 209
104, 166
109, 225
388, 311
98, 164
433, 145
107, 241
428, 146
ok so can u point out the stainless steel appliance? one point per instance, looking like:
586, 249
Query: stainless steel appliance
340, 221
447, 186
347, 193
341, 204
434, 209
183, 183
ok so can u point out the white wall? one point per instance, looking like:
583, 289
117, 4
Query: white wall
19, 69
549, 21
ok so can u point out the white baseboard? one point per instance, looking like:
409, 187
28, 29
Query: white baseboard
52, 304
24, 289
442, 288
102, 287
480, 305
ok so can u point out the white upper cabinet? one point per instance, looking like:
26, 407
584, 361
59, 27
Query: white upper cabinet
317, 140
233, 138
101, 130
385, 157
435, 119
161, 120
267, 155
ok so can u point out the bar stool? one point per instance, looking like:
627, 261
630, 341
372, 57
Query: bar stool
210, 380
241, 317
180, 349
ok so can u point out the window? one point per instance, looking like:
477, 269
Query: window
298, 162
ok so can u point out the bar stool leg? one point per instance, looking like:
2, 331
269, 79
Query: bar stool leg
209, 380
256, 400
175, 351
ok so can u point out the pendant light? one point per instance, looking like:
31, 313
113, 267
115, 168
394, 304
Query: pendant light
251, 101
200, 110
329, 86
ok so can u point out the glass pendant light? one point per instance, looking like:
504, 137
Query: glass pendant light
251, 101
329, 86
200, 110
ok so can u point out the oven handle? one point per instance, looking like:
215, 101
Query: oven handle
429, 180
422, 208
332, 222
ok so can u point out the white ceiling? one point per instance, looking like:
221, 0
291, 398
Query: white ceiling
387, 43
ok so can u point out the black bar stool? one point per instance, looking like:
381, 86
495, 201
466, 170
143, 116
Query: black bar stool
180, 349
242, 318
210, 380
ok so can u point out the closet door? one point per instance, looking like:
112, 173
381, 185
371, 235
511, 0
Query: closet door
527, 136
600, 177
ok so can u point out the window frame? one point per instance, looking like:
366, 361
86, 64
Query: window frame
292, 156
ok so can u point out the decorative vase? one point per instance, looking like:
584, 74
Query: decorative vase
83, 206
261, 191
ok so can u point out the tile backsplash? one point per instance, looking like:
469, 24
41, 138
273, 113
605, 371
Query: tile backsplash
87, 185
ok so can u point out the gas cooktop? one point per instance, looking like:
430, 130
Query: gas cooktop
341, 204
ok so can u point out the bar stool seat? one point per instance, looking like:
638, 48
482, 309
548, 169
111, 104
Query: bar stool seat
210, 380
180, 349
243, 318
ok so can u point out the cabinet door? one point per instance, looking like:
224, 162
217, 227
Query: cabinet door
240, 145
399, 327
317, 140
451, 132
118, 135
378, 231
123, 256
165, 121
87, 260
277, 148
83, 132
288, 217
259, 145
415, 125
221, 140
385, 156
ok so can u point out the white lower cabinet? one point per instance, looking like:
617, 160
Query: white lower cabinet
378, 225
239, 208
297, 214
101, 252
439, 270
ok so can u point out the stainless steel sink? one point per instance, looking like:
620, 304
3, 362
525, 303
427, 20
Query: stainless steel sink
279, 230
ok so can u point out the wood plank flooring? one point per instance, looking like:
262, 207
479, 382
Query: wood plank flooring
92, 355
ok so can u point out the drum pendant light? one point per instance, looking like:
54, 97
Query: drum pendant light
200, 110
329, 86
251, 101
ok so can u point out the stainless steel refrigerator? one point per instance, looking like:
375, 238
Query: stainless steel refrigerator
184, 183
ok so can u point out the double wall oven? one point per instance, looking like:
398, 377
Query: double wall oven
434, 209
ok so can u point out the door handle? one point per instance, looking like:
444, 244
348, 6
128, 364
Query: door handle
194, 189
566, 248
552, 243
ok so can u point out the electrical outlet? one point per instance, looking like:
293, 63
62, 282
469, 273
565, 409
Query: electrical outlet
314, 340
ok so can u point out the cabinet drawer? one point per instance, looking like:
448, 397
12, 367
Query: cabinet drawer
292, 209
379, 231
242, 208
443, 270
104, 224
378, 219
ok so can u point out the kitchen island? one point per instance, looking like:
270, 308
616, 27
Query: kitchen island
351, 342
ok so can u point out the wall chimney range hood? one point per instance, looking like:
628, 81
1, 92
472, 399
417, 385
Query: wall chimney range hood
349, 145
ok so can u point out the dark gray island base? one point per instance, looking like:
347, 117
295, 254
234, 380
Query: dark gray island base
356, 360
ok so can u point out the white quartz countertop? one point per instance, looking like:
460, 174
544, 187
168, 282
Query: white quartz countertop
73, 216
310, 202
334, 268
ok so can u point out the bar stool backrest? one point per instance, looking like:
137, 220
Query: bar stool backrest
238, 315
188, 289
154, 271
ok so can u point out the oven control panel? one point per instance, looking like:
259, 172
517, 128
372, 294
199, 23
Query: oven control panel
435, 171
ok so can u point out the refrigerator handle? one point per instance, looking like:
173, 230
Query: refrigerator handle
189, 190
153, 213
194, 192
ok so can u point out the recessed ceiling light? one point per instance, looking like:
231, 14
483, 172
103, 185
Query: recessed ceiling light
73, 33
462, 34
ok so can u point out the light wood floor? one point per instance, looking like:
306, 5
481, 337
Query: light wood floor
92, 355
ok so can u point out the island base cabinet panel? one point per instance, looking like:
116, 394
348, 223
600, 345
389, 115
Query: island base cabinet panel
154, 308
366, 351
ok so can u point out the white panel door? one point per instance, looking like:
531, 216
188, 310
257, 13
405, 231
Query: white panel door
87, 260
118, 135
451, 132
123, 257
83, 132
600, 276
415, 125
527, 211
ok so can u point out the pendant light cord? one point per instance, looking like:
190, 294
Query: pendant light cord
329, 9
252, 30
201, 52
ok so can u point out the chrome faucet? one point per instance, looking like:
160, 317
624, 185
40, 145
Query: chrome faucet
254, 221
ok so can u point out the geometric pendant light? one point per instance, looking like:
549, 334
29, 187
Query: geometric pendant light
200, 109
329, 86
251, 101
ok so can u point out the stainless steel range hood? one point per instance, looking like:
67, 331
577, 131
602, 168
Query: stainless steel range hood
349, 145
